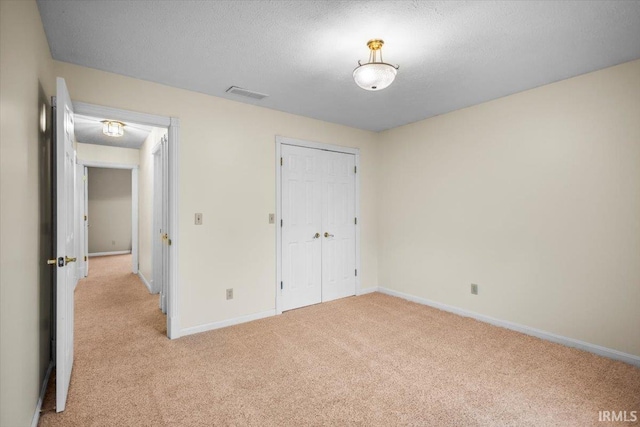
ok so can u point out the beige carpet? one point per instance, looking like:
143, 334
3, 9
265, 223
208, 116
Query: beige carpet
372, 360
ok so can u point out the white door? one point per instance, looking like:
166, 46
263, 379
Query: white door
156, 240
86, 221
301, 227
165, 225
338, 226
161, 241
318, 229
65, 245
157, 224
81, 219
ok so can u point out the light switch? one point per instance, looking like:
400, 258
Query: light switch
198, 220
272, 218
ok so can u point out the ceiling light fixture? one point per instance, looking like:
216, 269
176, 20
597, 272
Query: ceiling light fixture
375, 74
112, 128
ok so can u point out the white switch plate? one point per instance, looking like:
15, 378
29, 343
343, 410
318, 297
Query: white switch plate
272, 218
198, 219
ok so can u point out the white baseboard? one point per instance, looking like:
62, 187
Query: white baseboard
228, 322
43, 390
367, 290
559, 339
145, 281
109, 253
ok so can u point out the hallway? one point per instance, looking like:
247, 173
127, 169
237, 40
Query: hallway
118, 326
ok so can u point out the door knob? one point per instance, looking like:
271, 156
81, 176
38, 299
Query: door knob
316, 235
327, 234
67, 260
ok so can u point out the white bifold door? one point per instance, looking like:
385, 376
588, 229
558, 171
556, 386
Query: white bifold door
318, 226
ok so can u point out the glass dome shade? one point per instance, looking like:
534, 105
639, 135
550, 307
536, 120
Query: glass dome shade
112, 128
374, 75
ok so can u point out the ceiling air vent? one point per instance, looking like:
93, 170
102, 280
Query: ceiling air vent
245, 92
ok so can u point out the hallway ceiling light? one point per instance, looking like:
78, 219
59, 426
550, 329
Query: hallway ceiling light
375, 74
112, 128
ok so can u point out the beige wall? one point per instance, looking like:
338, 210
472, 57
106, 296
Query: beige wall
535, 197
109, 206
145, 203
25, 64
227, 172
106, 154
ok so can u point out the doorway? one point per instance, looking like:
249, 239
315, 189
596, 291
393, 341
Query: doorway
67, 221
317, 223
169, 206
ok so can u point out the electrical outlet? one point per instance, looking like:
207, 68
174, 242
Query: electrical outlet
198, 219
272, 218
474, 289
230, 293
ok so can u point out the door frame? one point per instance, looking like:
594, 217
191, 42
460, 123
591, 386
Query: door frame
135, 197
173, 126
283, 140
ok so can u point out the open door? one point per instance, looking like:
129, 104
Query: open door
160, 223
65, 242
81, 219
85, 189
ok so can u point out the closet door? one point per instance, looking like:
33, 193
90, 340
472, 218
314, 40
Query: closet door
301, 215
338, 226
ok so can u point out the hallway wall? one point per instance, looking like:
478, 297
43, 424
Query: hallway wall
26, 83
109, 204
145, 246
227, 172
106, 154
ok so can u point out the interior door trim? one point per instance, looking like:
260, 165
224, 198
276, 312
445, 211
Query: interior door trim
280, 141
135, 197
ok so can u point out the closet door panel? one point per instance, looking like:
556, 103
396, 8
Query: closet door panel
338, 226
301, 216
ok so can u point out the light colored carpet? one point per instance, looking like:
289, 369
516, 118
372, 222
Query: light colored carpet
373, 360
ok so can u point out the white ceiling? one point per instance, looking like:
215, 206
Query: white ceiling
302, 53
88, 130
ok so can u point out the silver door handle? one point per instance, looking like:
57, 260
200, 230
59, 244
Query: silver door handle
327, 234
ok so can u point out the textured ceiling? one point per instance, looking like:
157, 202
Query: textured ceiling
302, 53
88, 130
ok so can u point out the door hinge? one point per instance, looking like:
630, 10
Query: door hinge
356, 272
281, 161
85, 217
355, 169
85, 257
280, 285
281, 223
84, 178
355, 221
